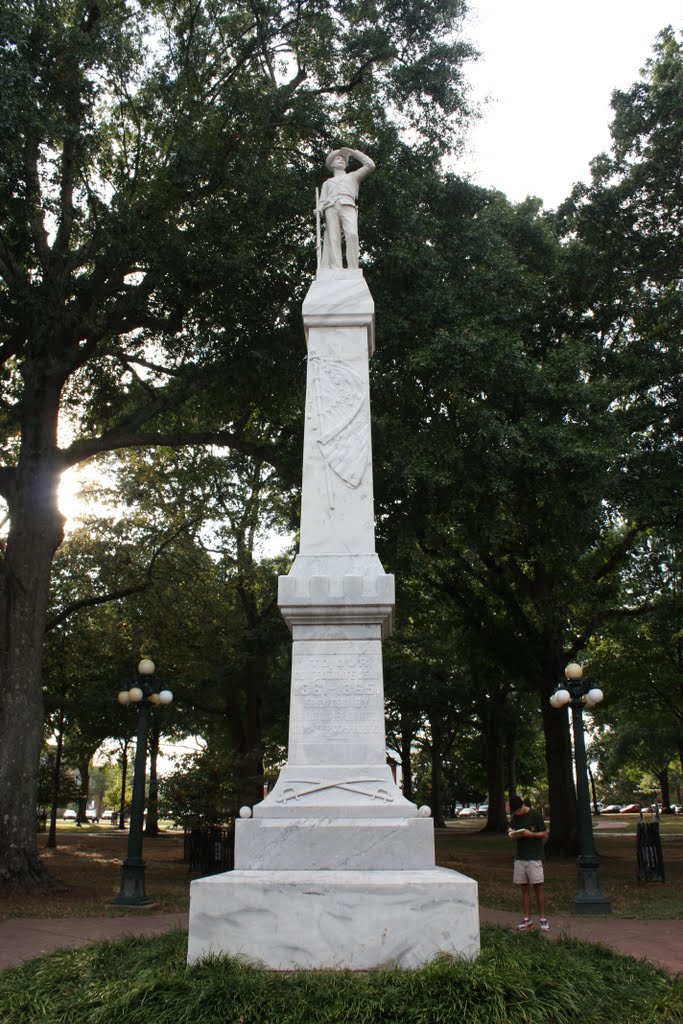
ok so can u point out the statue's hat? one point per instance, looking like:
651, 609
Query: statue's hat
332, 155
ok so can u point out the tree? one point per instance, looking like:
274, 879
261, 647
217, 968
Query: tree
639, 661
491, 407
155, 160
201, 790
528, 445
635, 746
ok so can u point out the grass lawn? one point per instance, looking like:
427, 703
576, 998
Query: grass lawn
518, 979
488, 859
87, 863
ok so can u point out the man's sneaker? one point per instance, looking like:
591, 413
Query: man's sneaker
526, 925
545, 927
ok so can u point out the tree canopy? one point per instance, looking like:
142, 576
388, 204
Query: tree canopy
157, 162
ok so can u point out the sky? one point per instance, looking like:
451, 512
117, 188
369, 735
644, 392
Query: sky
546, 74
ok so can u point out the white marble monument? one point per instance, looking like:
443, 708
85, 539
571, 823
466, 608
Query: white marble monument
335, 869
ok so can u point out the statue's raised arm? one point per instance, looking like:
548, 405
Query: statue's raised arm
337, 202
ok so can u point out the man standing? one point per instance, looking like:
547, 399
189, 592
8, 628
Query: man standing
338, 203
528, 828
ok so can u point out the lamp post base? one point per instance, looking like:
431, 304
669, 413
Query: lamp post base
590, 898
132, 892
591, 905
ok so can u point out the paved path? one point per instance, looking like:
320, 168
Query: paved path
661, 942
22, 938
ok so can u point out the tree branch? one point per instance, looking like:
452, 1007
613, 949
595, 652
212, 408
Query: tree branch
92, 602
117, 595
7, 482
8, 262
85, 449
356, 79
137, 361
123, 434
35, 203
617, 554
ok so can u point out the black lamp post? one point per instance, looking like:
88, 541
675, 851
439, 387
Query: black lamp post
589, 898
132, 891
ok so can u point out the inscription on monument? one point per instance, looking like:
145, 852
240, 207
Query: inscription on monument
338, 694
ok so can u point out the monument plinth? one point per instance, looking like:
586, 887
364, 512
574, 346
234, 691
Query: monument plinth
336, 868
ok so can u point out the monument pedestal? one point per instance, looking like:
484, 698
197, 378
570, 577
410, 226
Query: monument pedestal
336, 868
357, 920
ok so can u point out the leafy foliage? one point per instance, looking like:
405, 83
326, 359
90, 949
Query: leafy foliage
516, 979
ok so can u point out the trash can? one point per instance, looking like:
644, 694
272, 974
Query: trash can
650, 859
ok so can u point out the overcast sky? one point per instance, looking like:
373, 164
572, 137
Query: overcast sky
548, 68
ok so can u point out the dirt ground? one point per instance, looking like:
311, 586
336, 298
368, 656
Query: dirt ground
86, 870
87, 867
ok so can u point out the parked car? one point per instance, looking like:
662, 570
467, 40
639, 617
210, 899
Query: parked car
467, 812
611, 809
69, 816
483, 811
107, 815
91, 814
630, 809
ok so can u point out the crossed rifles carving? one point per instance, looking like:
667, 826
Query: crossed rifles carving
350, 785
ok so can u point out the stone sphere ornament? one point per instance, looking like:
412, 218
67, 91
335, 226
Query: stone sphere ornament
245, 812
424, 811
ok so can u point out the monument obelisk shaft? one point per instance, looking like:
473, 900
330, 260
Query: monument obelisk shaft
336, 868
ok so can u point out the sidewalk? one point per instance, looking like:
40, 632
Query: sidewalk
22, 938
660, 942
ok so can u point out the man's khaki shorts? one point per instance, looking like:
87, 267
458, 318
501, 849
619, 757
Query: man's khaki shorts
527, 872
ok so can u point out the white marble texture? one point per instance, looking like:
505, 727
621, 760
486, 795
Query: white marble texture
336, 868
334, 844
335, 791
340, 298
337, 514
346, 591
337, 703
359, 920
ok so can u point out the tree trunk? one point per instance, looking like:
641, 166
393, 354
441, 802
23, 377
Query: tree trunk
511, 758
563, 839
247, 732
84, 772
124, 777
593, 792
152, 823
56, 783
437, 787
663, 780
407, 737
36, 531
494, 721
